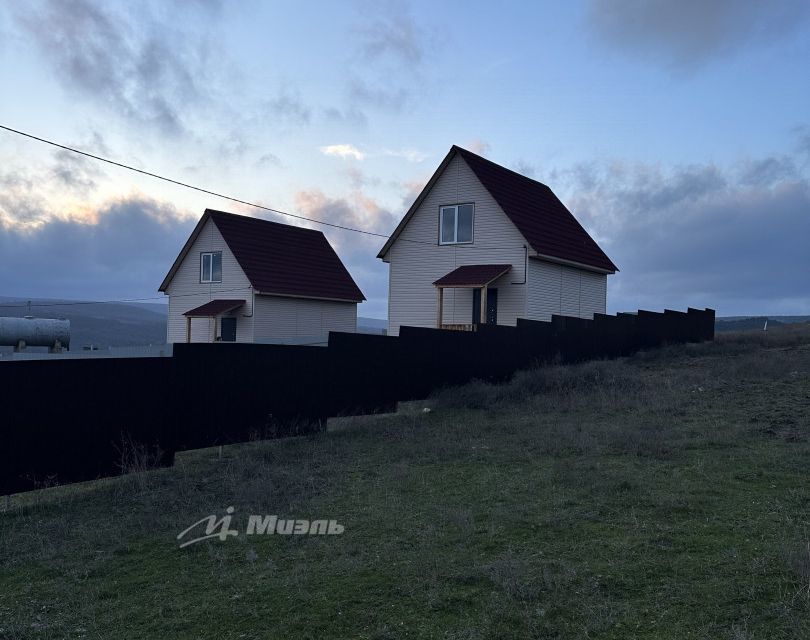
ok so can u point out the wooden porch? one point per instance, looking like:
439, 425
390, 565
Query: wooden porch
477, 276
459, 327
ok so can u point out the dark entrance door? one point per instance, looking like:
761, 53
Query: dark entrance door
492, 306
228, 329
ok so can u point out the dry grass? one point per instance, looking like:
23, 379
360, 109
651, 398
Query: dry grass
659, 496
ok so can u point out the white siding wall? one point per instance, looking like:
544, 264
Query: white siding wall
280, 317
567, 291
414, 266
187, 292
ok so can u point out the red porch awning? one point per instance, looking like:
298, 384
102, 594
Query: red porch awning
214, 308
473, 275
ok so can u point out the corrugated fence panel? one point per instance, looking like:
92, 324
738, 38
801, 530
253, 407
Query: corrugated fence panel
70, 420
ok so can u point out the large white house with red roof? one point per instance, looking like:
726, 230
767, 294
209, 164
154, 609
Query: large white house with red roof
242, 279
482, 243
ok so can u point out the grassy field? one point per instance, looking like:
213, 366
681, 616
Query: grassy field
662, 496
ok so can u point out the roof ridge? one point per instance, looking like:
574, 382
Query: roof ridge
212, 212
278, 258
494, 177
501, 167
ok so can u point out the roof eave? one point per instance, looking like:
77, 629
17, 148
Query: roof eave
362, 298
572, 263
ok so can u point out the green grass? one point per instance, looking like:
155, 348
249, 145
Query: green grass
661, 496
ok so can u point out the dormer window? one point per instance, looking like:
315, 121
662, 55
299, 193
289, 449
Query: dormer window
211, 266
456, 224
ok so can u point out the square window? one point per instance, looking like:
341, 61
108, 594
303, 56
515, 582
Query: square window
456, 224
211, 267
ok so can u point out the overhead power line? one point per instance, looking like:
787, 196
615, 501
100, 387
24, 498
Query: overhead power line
232, 198
191, 186
206, 191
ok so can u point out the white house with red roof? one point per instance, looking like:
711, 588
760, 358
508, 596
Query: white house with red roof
484, 244
242, 279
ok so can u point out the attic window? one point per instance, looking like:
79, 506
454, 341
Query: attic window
211, 267
456, 224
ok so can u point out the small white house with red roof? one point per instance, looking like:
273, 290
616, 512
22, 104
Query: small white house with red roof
484, 244
242, 279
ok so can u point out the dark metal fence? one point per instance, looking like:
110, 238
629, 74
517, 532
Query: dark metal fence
70, 420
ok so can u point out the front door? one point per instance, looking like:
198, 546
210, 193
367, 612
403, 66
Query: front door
492, 306
228, 329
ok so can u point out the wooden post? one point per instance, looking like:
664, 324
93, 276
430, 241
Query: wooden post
188, 328
484, 304
440, 309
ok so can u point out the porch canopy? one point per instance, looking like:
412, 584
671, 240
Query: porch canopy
471, 276
214, 308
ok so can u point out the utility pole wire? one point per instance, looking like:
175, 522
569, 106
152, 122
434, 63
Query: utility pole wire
233, 199
190, 186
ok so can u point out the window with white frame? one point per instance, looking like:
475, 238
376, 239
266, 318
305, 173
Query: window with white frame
211, 266
456, 224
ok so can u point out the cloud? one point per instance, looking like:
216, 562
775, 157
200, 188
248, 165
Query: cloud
733, 239
31, 196
350, 151
269, 159
358, 252
352, 115
767, 171
690, 33
125, 253
381, 96
524, 168
412, 189
20, 202
387, 68
478, 146
358, 179
357, 210
288, 107
126, 61
76, 172
411, 155
343, 151
394, 35
802, 133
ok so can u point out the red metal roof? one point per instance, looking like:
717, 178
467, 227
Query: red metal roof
280, 259
544, 221
473, 275
548, 226
214, 308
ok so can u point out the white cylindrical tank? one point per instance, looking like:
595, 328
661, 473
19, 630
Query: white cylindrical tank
35, 332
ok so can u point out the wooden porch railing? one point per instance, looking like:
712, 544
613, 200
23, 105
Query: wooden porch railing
459, 327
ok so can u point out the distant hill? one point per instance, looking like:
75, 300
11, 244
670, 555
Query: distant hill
115, 324
97, 323
755, 323
371, 325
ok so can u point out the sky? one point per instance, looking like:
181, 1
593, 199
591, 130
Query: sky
678, 133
